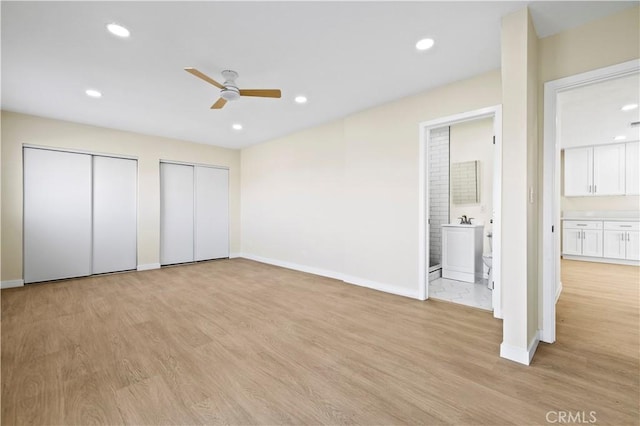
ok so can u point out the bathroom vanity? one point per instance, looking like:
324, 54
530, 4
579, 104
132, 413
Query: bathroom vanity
462, 252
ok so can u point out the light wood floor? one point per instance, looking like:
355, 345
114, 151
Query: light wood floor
241, 342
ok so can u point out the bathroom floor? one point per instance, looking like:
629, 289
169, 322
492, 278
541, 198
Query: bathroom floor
470, 294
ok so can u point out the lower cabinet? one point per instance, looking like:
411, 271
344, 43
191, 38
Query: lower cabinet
609, 240
582, 238
622, 240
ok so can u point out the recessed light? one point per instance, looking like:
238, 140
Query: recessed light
425, 44
237, 126
620, 138
93, 93
301, 99
118, 30
629, 107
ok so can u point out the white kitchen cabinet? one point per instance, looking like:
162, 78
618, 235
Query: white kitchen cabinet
598, 170
622, 240
572, 241
632, 168
582, 238
578, 171
592, 243
633, 245
608, 169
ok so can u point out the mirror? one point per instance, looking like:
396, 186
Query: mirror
464, 182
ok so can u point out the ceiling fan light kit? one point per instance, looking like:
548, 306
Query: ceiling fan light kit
229, 91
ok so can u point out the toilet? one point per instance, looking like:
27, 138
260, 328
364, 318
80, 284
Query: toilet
487, 258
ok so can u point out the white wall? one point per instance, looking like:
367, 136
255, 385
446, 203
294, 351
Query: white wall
346, 193
19, 129
471, 141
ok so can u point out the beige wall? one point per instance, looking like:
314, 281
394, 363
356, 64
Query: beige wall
598, 44
471, 141
519, 176
19, 129
371, 160
292, 205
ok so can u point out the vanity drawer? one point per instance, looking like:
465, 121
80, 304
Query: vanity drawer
622, 226
583, 224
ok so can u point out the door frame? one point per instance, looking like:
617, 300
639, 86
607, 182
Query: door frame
424, 129
551, 284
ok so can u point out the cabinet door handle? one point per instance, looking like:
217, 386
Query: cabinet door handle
628, 237
589, 188
595, 188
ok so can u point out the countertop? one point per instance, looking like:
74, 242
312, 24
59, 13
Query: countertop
612, 215
611, 219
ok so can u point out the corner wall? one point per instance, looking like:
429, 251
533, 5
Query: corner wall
19, 129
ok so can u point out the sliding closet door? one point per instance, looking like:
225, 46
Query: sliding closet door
57, 215
176, 213
114, 214
212, 213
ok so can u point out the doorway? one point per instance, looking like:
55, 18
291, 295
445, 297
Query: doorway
427, 262
552, 180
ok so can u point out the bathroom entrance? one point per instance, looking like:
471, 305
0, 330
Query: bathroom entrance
461, 174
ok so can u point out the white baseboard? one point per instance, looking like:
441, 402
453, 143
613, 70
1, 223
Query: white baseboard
349, 279
148, 266
12, 284
294, 266
601, 260
558, 291
234, 255
520, 355
387, 288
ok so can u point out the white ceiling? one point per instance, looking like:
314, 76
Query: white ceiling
344, 56
592, 115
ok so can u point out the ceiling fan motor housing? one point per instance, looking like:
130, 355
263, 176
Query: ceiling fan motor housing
230, 91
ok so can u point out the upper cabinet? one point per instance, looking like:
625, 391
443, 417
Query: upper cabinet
608, 169
578, 172
597, 170
632, 168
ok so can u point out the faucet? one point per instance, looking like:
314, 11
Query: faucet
464, 220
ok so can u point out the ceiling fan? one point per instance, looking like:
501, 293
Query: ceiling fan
229, 91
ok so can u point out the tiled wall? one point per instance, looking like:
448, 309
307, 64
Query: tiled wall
438, 191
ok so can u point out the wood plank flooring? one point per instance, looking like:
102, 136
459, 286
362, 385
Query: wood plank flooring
239, 342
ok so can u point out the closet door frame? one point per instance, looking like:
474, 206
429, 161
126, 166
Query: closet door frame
93, 154
211, 166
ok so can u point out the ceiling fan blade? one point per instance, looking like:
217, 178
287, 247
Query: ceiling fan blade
204, 77
219, 103
263, 93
